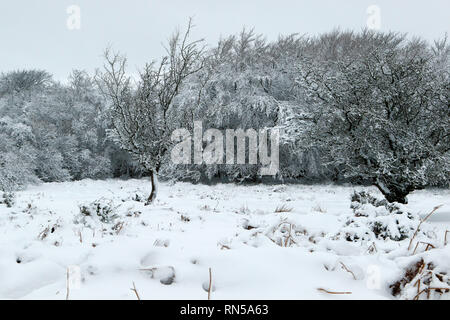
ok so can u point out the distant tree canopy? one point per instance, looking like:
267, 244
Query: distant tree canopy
365, 107
52, 132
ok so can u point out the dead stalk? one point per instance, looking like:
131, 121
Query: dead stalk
135, 291
348, 270
289, 239
418, 227
333, 292
210, 284
67, 284
415, 248
445, 237
428, 291
283, 208
429, 245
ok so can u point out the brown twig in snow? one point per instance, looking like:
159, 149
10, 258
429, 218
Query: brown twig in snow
210, 284
429, 245
418, 227
135, 291
333, 292
348, 270
428, 291
445, 237
415, 248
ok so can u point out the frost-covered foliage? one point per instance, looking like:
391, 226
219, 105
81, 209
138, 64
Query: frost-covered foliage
367, 107
248, 83
379, 105
8, 199
102, 210
375, 218
52, 132
17, 155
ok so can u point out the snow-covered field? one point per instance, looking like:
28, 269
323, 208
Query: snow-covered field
166, 249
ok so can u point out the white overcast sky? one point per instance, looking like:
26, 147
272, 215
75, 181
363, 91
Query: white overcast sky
34, 34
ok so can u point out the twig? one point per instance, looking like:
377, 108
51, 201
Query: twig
418, 227
429, 245
445, 237
333, 292
418, 286
289, 239
135, 291
118, 227
428, 291
415, 248
43, 234
67, 284
348, 270
210, 284
372, 248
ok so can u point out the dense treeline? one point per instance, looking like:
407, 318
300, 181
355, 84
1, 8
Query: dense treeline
364, 107
54, 132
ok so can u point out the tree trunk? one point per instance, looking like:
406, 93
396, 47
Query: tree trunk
394, 192
153, 193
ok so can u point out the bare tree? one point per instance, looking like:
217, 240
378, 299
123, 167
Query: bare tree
141, 113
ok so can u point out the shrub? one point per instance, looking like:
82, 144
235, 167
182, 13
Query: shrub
103, 209
375, 218
8, 198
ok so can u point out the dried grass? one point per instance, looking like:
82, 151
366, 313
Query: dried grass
283, 208
420, 224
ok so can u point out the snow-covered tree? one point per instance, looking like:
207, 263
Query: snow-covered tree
17, 162
380, 111
141, 114
51, 132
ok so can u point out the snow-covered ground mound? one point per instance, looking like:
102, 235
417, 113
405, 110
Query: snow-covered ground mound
97, 240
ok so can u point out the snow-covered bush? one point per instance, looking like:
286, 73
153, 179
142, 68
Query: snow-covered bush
102, 210
374, 218
8, 198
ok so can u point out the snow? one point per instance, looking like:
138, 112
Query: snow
167, 248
